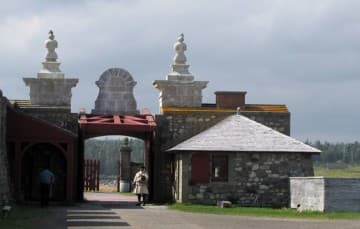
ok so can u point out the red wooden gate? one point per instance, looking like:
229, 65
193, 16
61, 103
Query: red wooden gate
118, 176
91, 175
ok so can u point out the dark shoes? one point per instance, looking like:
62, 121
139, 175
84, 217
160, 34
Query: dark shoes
138, 203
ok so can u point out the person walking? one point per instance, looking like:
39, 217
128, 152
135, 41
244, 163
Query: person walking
47, 179
140, 181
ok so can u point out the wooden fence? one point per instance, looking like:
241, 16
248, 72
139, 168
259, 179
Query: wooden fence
91, 175
118, 174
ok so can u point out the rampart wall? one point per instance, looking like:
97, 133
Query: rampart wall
4, 166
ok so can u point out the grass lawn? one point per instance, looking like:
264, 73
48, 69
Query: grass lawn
263, 212
346, 171
23, 217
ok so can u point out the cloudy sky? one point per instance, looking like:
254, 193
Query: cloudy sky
305, 54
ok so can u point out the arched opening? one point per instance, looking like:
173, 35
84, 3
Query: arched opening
141, 126
120, 158
36, 158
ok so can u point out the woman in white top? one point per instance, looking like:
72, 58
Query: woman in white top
140, 181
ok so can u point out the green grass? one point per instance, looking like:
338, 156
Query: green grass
23, 217
263, 212
337, 171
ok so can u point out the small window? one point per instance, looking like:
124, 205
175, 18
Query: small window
219, 169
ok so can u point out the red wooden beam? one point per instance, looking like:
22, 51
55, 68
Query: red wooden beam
93, 125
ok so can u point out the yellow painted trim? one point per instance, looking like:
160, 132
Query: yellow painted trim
247, 108
195, 109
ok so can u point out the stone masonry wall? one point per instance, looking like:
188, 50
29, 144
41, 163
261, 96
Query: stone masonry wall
177, 127
255, 179
59, 117
276, 120
171, 130
4, 166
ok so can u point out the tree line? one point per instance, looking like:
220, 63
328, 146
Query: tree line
108, 152
348, 153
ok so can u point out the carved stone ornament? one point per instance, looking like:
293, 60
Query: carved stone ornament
180, 89
115, 93
50, 88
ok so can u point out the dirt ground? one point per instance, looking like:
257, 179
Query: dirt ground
112, 210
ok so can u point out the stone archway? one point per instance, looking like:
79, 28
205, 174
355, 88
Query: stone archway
37, 157
141, 126
116, 113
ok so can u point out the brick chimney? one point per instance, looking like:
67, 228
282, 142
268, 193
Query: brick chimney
230, 99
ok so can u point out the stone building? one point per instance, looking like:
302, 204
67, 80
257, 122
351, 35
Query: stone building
179, 121
240, 160
46, 124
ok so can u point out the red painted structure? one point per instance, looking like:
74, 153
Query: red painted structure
92, 175
26, 134
141, 126
33, 143
136, 125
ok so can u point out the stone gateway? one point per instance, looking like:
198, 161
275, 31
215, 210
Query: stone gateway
194, 152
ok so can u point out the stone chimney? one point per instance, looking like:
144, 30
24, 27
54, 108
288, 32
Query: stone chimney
230, 99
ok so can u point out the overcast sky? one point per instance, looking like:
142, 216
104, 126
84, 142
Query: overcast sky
305, 54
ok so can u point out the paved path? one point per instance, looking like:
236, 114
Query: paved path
108, 211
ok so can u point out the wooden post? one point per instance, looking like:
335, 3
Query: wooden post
86, 172
98, 175
118, 176
92, 183
85, 176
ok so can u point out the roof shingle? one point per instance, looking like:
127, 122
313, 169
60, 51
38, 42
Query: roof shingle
241, 134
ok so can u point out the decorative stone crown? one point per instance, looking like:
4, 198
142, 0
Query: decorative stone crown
116, 94
180, 70
50, 88
179, 89
51, 66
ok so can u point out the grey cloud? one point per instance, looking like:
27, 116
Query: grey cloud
301, 53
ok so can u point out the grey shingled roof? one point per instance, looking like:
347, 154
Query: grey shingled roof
241, 134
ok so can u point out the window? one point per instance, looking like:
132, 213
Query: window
219, 168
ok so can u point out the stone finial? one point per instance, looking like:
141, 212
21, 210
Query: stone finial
50, 88
50, 69
179, 88
179, 67
180, 48
51, 45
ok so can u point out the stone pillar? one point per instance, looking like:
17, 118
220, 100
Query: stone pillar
179, 89
50, 88
125, 178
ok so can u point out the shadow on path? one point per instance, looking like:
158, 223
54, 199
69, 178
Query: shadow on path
97, 211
